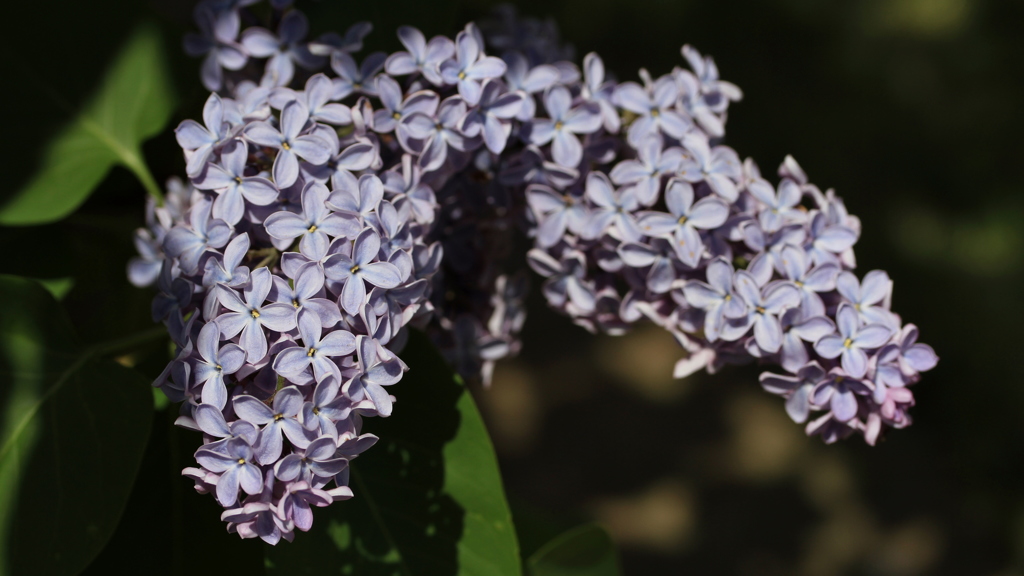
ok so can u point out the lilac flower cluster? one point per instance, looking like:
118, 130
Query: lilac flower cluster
323, 191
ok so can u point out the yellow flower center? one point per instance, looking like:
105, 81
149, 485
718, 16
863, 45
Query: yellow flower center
311, 353
255, 313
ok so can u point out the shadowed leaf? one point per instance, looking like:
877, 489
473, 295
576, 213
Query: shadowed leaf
72, 434
428, 497
583, 551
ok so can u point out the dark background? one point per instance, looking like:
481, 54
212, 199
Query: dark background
911, 109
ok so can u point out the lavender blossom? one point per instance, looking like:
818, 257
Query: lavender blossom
290, 144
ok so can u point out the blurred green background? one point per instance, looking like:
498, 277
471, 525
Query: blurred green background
910, 109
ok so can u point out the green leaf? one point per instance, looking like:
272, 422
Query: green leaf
73, 431
428, 497
133, 103
583, 551
57, 287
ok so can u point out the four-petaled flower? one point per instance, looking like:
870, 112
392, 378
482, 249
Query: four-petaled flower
362, 265
250, 315
277, 423
564, 124
215, 362
315, 225
684, 220
852, 340
470, 66
235, 469
289, 144
316, 351
232, 185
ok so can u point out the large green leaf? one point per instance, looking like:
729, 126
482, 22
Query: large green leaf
133, 103
428, 497
583, 551
73, 431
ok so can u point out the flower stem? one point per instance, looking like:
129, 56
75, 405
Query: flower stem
130, 341
141, 171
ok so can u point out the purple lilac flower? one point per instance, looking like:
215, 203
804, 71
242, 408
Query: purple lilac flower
520, 76
595, 89
718, 300
439, 134
315, 225
317, 98
566, 284
233, 187
564, 124
189, 244
327, 407
235, 470
797, 389
869, 298
290, 144
810, 281
852, 340
283, 50
556, 214
470, 66
316, 350
226, 268
361, 266
317, 460
421, 56
358, 199
307, 291
764, 306
353, 78
654, 107
915, 357
646, 171
217, 41
827, 241
277, 423
684, 220
294, 506
397, 106
248, 316
210, 419
613, 211
492, 118
215, 362
720, 167
839, 392
200, 140
374, 373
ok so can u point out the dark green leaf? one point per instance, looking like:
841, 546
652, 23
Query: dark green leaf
583, 551
428, 497
133, 103
73, 431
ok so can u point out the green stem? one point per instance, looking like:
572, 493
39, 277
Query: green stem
138, 167
130, 341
